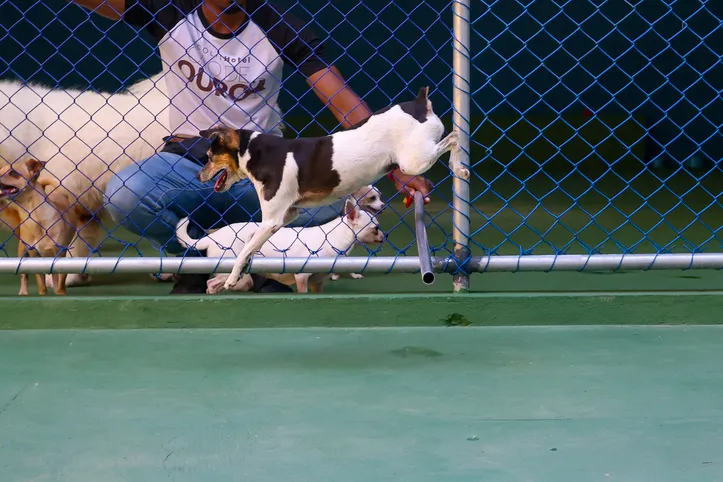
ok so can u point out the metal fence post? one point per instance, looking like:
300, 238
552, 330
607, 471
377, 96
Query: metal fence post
461, 119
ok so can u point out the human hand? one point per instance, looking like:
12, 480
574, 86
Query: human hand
410, 185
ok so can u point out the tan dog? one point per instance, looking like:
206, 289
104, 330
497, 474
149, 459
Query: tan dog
41, 217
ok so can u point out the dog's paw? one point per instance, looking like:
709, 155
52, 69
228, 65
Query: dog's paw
461, 172
162, 277
453, 138
335, 277
456, 166
71, 280
356, 276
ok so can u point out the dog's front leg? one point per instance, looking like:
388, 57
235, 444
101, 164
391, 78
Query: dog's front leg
416, 162
302, 282
23, 277
273, 219
263, 233
59, 284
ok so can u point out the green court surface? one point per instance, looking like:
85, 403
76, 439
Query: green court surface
418, 404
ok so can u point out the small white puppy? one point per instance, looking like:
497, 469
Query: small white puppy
328, 240
370, 199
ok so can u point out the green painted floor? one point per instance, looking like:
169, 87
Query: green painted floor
567, 282
418, 404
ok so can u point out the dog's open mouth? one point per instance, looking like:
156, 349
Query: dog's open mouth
221, 181
6, 190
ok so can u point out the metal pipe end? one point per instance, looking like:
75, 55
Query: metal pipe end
428, 277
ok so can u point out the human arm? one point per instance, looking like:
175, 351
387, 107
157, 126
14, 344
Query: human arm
155, 16
112, 9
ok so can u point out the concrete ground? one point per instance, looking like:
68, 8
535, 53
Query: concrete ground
624, 403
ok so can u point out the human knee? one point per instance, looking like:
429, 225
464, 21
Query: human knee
136, 187
125, 192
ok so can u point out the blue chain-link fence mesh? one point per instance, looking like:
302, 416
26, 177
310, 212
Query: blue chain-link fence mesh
596, 126
385, 51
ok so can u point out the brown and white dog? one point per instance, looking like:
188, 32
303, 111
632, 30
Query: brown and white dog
292, 173
42, 216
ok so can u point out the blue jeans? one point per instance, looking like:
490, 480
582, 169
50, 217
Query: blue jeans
151, 197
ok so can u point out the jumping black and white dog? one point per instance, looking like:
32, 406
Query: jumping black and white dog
309, 172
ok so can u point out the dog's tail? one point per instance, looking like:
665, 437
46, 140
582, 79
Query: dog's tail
187, 241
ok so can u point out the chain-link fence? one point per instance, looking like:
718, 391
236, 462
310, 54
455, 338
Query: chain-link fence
595, 135
591, 128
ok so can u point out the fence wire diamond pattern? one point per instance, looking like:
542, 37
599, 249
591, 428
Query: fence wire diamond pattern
594, 128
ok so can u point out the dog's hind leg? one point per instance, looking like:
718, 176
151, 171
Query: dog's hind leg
451, 143
302, 282
419, 159
87, 238
316, 282
448, 143
22, 250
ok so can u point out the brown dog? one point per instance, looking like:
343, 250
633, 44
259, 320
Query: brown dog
41, 217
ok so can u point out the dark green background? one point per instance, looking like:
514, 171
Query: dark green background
658, 61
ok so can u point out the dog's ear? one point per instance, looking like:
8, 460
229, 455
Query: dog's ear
351, 208
423, 94
212, 134
34, 167
423, 99
361, 192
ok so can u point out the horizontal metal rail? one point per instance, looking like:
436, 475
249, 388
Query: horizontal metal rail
212, 265
410, 264
596, 262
